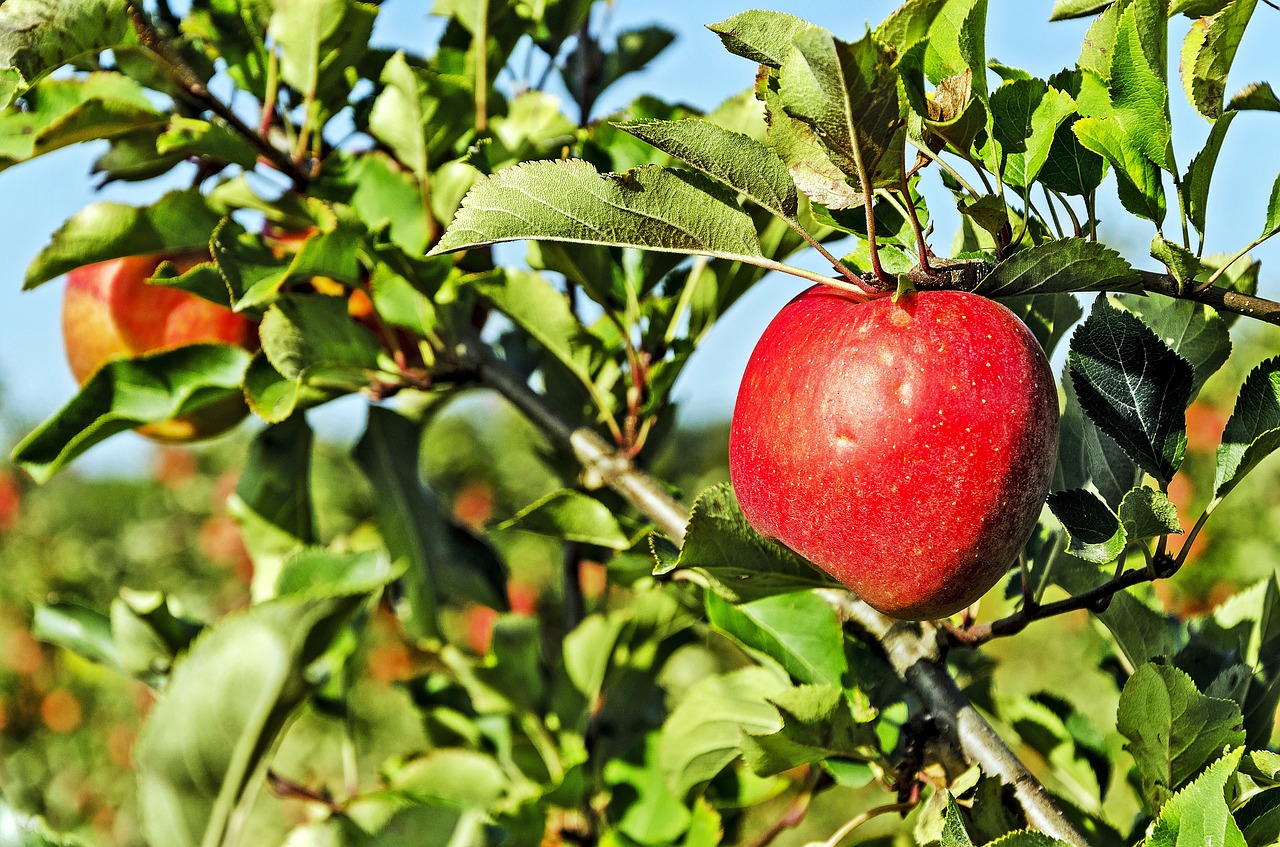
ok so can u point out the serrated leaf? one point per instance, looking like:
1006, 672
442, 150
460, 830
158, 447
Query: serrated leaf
799, 631
275, 398
1062, 265
741, 163
1253, 430
1208, 52
703, 734
762, 37
847, 93
1026, 115
1147, 513
1027, 838
1133, 387
1194, 331
1071, 168
572, 516
1199, 815
1173, 730
741, 563
178, 221
1257, 96
1095, 533
444, 562
127, 393
908, 24
1089, 457
652, 208
1182, 264
957, 42
191, 137
319, 41
1139, 184
819, 722
226, 703
1272, 225
1064, 10
1200, 172
1139, 96
954, 833
40, 36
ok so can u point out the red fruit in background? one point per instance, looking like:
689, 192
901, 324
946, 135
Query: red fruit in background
904, 447
108, 311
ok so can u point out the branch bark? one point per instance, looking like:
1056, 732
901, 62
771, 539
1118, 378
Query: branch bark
913, 653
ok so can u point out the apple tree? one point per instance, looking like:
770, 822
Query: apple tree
677, 678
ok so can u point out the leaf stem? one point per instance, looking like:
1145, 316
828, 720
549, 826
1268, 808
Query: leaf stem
857, 821
481, 59
1237, 256
922, 247
946, 166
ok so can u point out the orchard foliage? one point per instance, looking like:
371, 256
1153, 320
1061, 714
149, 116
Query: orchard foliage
520, 420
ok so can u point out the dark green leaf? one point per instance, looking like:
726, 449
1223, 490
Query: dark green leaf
178, 221
275, 398
1195, 332
762, 37
568, 200
1208, 52
275, 480
197, 380
1253, 430
204, 743
1088, 456
1199, 815
742, 163
954, 833
311, 338
572, 516
40, 36
1173, 730
1071, 167
1048, 316
1095, 532
444, 563
1064, 265
1133, 387
742, 564
1027, 114
819, 722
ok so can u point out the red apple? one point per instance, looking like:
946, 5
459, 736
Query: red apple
904, 447
108, 312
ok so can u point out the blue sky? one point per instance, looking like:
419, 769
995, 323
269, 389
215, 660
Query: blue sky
36, 197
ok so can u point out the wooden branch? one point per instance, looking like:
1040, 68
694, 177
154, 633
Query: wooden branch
913, 652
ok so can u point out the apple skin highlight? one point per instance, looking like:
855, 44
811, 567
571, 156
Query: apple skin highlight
904, 447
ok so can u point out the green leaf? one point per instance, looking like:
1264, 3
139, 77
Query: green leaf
1173, 730
1095, 533
202, 749
10, 82
1133, 387
799, 631
199, 379
1253, 430
652, 208
957, 42
319, 42
1182, 264
453, 776
1195, 332
740, 162
1062, 265
1147, 513
178, 221
703, 734
444, 562
645, 808
420, 115
741, 563
763, 37
40, 36
848, 94
1027, 114
1208, 52
908, 24
1273, 211
1256, 96
1200, 172
317, 572
83, 631
148, 634
21, 830
1141, 190
311, 338
275, 398
1064, 10
1048, 316
819, 722
1199, 815
1072, 168
275, 479
954, 833
215, 142
1088, 456
572, 516
1139, 94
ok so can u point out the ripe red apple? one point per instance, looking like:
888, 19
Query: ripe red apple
904, 447
108, 311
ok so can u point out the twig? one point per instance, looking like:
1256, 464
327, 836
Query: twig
913, 654
843, 832
191, 85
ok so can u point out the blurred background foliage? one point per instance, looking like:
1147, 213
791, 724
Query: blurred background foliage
67, 726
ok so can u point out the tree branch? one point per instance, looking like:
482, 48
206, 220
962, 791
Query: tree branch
191, 85
913, 653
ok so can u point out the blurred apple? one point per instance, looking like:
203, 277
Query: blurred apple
109, 312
